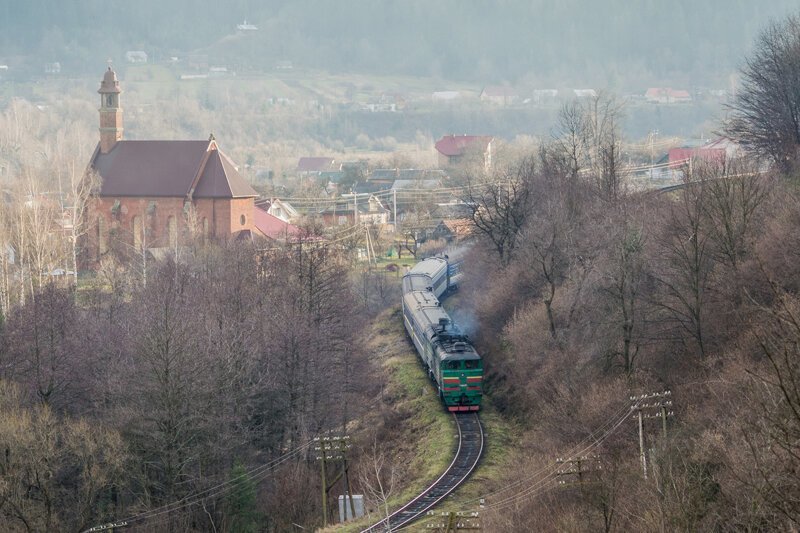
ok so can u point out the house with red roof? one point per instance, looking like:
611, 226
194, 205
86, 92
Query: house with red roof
679, 157
455, 150
160, 194
274, 228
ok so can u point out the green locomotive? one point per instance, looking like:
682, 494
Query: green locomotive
446, 352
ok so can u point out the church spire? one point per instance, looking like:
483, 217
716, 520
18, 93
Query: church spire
110, 111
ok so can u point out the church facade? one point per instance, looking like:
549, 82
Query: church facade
159, 194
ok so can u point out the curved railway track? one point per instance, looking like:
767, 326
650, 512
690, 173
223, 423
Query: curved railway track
468, 453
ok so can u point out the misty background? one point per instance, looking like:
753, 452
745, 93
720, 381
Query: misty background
279, 80
617, 44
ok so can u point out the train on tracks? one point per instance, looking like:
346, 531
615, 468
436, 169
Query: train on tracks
446, 352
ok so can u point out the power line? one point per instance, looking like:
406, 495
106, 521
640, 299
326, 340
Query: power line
252, 474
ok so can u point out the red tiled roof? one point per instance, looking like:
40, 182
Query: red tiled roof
314, 164
679, 156
653, 92
168, 169
273, 227
451, 145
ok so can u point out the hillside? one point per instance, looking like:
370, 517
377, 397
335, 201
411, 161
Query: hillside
608, 43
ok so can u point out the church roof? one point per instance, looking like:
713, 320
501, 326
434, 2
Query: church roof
169, 169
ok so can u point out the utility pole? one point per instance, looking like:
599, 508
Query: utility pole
649, 406
653, 134
333, 449
394, 208
448, 522
574, 470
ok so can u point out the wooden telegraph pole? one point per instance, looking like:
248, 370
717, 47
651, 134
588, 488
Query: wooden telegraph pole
575, 470
450, 522
333, 449
650, 406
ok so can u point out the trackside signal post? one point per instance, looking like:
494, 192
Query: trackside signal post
333, 449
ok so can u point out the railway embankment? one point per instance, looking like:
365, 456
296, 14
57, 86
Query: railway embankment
409, 426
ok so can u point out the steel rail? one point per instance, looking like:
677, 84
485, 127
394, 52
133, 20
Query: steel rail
468, 453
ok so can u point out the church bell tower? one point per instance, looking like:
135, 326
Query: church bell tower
110, 112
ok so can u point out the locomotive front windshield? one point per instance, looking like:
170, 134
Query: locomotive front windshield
462, 364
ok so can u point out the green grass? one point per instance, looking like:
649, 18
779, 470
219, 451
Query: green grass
429, 433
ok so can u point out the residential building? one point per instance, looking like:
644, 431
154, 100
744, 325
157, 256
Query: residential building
349, 210
274, 228
280, 209
455, 150
310, 166
667, 95
136, 56
499, 95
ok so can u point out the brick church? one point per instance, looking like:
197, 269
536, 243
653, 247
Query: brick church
157, 195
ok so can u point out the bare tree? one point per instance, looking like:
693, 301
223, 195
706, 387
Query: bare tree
765, 114
82, 186
55, 472
684, 265
500, 206
43, 353
378, 477
736, 195
774, 437
623, 283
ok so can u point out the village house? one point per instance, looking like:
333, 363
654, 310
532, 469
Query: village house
678, 160
274, 228
499, 95
136, 56
666, 95
349, 210
584, 93
314, 166
455, 150
280, 209
445, 96
157, 194
544, 96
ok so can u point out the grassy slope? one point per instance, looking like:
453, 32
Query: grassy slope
425, 441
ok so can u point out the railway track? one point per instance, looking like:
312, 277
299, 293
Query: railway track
468, 453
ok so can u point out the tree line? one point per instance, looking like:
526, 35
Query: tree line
592, 292
123, 396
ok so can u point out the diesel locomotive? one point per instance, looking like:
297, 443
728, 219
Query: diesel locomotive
447, 354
